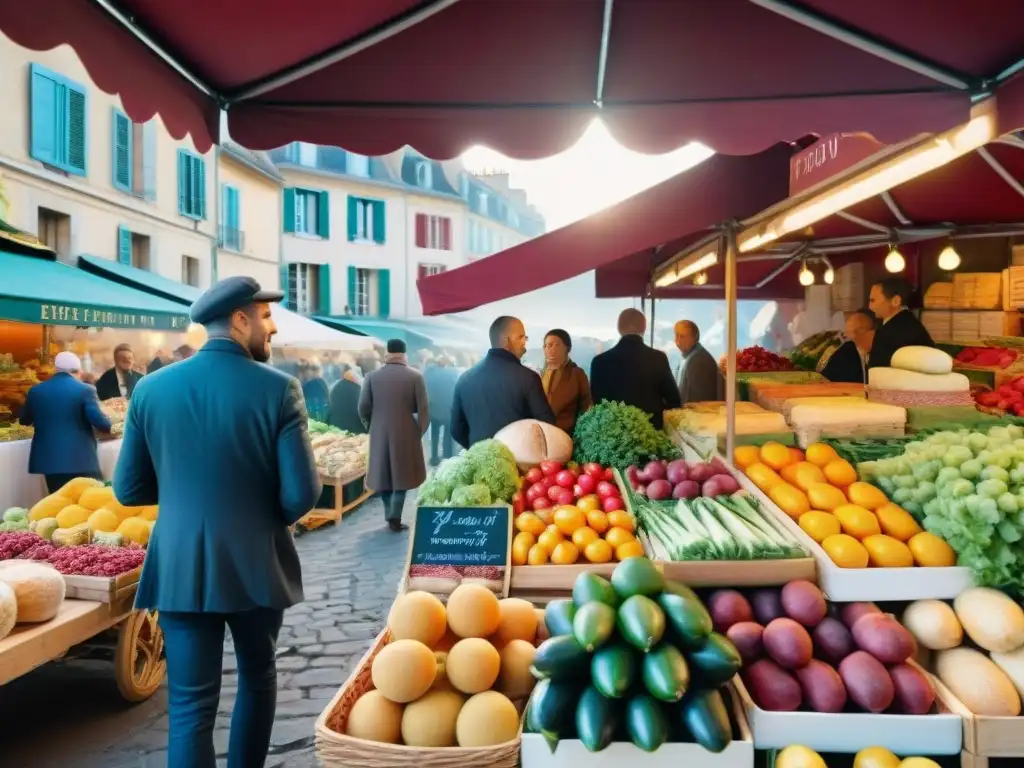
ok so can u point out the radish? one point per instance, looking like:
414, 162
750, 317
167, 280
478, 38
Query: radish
677, 471
659, 490
655, 470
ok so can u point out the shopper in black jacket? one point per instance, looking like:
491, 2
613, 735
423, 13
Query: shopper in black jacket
849, 362
499, 389
633, 373
889, 301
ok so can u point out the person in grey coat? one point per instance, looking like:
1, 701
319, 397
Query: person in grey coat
393, 406
698, 377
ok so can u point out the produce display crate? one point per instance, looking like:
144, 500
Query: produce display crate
542, 583
570, 753
809, 435
1013, 288
984, 737
321, 516
336, 750
940, 733
103, 589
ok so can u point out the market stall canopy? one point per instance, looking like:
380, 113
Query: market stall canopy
738, 75
293, 330
668, 216
414, 332
39, 289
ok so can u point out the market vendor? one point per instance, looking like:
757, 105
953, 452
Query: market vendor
849, 362
698, 377
565, 383
119, 381
64, 412
889, 302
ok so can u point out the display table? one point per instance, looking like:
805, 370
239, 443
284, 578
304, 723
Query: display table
20, 489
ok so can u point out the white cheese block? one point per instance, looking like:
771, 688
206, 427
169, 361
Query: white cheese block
863, 414
912, 381
922, 360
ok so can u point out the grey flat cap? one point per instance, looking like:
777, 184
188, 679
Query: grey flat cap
227, 296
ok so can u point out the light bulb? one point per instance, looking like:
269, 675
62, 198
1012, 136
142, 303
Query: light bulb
701, 278
806, 277
829, 276
895, 262
949, 259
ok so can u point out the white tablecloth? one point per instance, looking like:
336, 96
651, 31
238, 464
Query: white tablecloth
20, 489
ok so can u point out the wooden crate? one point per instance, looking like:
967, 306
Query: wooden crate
938, 323
939, 296
316, 518
103, 589
978, 290
984, 737
1013, 288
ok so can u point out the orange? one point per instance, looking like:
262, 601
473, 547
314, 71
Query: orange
789, 473
597, 520
546, 515
568, 519
745, 455
887, 552
617, 536
791, 500
796, 455
564, 554
763, 476
845, 551
840, 472
857, 521
807, 475
599, 551
538, 555
897, 522
588, 503
550, 539
530, 523
866, 495
821, 454
825, 496
630, 549
775, 455
521, 546
930, 551
583, 536
620, 519
819, 525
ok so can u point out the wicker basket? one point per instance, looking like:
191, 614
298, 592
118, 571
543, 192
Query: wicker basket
336, 750
905, 399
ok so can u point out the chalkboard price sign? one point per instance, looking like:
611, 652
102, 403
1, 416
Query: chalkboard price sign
462, 536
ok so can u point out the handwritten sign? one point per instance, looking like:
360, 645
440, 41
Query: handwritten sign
29, 311
825, 158
462, 536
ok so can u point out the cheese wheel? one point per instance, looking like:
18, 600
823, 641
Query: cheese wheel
922, 360
912, 381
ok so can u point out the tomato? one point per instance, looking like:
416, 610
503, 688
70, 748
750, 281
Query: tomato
534, 476
535, 491
540, 502
593, 469
518, 502
559, 495
566, 478
609, 475
611, 503
548, 481
586, 483
605, 489
550, 468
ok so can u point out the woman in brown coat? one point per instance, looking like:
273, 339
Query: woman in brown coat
565, 383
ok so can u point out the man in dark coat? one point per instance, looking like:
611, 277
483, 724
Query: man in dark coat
220, 442
633, 373
441, 378
698, 377
121, 380
64, 412
849, 362
499, 389
344, 410
889, 301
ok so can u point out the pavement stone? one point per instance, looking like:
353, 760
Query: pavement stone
351, 573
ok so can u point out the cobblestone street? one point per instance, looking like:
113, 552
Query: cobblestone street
351, 575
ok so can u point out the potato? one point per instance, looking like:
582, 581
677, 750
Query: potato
772, 688
767, 605
914, 691
803, 602
884, 638
746, 636
850, 612
787, 643
867, 682
832, 640
728, 607
934, 624
822, 687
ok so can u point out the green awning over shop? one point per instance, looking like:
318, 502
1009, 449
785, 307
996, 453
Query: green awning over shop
39, 289
141, 279
415, 333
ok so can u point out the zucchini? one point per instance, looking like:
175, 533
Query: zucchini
716, 662
707, 719
597, 719
560, 658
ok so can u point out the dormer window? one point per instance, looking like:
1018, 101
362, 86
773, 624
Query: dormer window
424, 175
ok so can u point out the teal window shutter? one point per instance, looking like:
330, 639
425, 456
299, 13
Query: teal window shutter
289, 210
184, 179
234, 216
323, 215
75, 144
46, 98
324, 277
379, 222
122, 151
353, 213
124, 246
149, 160
285, 285
351, 290
198, 187
384, 292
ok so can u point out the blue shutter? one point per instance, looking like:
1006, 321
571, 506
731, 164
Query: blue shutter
323, 215
285, 285
149, 160
353, 212
198, 187
324, 278
289, 210
184, 178
124, 246
384, 292
76, 147
122, 151
351, 290
46, 97
379, 222
234, 218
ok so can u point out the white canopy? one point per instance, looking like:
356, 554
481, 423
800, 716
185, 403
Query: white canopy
294, 330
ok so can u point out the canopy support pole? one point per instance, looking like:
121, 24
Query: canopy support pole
730, 336
602, 60
653, 302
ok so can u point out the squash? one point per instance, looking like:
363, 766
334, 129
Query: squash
75, 536
532, 442
976, 680
934, 624
38, 590
990, 619
46, 527
94, 498
135, 530
1012, 664
103, 520
72, 515
75, 487
49, 507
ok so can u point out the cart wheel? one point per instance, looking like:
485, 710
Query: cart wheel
139, 664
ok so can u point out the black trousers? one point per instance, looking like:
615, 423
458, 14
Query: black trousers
55, 482
394, 501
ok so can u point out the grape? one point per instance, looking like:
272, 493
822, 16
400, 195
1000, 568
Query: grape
1007, 503
993, 472
905, 481
992, 488
971, 469
961, 488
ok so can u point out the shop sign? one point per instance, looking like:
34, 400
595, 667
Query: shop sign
463, 537
831, 155
86, 315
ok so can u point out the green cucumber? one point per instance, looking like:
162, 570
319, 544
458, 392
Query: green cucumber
666, 675
706, 717
614, 668
688, 618
641, 623
597, 719
558, 617
593, 624
716, 662
637, 576
646, 722
560, 658
590, 588
551, 707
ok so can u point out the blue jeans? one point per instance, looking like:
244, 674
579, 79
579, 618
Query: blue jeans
194, 643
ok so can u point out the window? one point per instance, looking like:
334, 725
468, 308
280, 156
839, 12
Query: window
54, 229
230, 236
307, 212
190, 271
481, 202
58, 121
302, 291
366, 220
426, 270
306, 154
361, 294
134, 156
357, 165
369, 292
132, 249
424, 174
191, 185
433, 232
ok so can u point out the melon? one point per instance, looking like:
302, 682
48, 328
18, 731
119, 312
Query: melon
515, 679
487, 719
375, 718
532, 442
472, 665
445, 643
418, 616
48, 507
8, 610
517, 621
430, 721
74, 488
441, 682
473, 611
38, 589
72, 515
404, 670
94, 498
102, 520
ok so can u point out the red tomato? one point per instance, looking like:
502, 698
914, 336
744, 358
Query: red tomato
555, 491
609, 475
611, 503
593, 468
534, 476
536, 491
604, 489
541, 503
566, 478
548, 482
550, 468
518, 502
586, 484
562, 497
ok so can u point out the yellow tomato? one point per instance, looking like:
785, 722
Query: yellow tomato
763, 476
564, 554
776, 455
807, 475
618, 536
887, 552
866, 495
796, 455
530, 523
897, 522
597, 520
840, 473
825, 496
875, 757
799, 757
550, 539
819, 525
930, 551
538, 555
845, 551
599, 551
583, 536
918, 762
745, 455
589, 502
630, 549
546, 515
788, 473
791, 500
857, 521
568, 519
820, 454
521, 546
622, 519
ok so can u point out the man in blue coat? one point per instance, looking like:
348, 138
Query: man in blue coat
64, 412
220, 442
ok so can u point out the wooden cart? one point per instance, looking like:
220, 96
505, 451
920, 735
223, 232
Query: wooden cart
96, 619
318, 517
